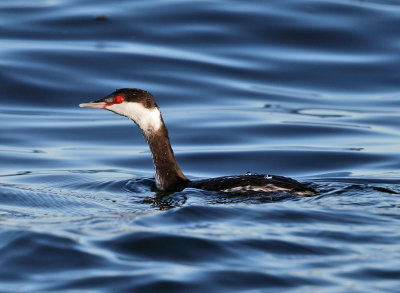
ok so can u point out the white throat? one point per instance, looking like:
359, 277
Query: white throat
149, 120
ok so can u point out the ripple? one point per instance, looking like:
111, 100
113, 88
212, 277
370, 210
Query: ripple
307, 89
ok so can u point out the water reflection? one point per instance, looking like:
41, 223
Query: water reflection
306, 89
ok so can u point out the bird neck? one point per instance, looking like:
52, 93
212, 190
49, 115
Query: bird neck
168, 173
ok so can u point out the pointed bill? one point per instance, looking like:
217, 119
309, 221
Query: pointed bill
97, 105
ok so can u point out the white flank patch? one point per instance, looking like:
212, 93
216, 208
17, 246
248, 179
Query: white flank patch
267, 188
147, 119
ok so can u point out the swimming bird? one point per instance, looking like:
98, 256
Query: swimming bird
140, 106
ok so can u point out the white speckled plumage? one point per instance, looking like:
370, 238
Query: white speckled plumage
267, 188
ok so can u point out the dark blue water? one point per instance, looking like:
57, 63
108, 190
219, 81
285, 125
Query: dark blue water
306, 89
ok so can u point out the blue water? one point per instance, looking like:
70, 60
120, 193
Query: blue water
306, 89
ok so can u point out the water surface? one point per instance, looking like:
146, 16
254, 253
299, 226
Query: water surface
306, 89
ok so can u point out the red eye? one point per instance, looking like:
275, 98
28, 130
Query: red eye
118, 99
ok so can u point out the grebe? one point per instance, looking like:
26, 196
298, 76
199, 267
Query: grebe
139, 106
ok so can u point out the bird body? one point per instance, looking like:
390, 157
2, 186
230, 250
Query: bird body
139, 106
